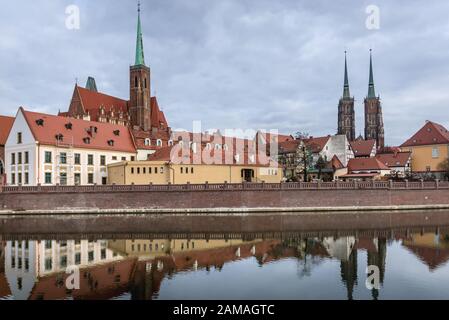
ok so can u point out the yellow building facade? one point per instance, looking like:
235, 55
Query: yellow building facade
162, 172
427, 158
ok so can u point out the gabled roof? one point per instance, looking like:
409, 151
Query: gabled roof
55, 125
430, 133
272, 138
179, 154
397, 159
92, 101
5, 127
336, 163
316, 145
157, 116
362, 148
365, 164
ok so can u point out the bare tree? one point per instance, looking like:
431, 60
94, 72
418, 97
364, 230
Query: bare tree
444, 166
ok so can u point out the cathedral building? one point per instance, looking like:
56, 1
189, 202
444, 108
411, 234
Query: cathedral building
141, 112
374, 127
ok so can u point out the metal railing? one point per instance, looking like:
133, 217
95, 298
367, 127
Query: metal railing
335, 185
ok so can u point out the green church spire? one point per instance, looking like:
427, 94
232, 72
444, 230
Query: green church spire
140, 59
346, 94
371, 92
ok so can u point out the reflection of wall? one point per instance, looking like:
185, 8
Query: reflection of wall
149, 249
26, 262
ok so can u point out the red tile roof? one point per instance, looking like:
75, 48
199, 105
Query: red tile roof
430, 133
5, 126
315, 144
398, 159
179, 154
157, 116
336, 163
92, 101
362, 148
54, 125
365, 164
272, 138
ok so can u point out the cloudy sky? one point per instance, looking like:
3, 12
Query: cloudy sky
258, 64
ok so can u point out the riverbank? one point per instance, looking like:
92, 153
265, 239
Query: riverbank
226, 198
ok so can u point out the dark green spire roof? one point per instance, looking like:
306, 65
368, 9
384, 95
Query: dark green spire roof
371, 91
91, 85
346, 94
140, 59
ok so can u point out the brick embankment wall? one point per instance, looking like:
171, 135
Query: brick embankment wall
222, 199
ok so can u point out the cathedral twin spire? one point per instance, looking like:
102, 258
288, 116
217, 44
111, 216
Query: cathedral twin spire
371, 90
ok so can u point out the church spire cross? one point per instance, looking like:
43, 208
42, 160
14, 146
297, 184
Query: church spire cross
371, 91
140, 58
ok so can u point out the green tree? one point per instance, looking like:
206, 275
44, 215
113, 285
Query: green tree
444, 166
320, 165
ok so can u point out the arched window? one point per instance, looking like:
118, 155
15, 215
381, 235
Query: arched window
2, 170
208, 146
159, 142
145, 83
135, 82
170, 142
148, 142
225, 147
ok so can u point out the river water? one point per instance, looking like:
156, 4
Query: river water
314, 256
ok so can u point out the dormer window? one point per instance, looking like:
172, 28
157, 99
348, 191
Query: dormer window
111, 143
170, 142
117, 132
86, 140
40, 122
159, 142
59, 137
148, 142
68, 126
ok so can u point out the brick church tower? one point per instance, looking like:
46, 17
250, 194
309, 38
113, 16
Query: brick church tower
346, 114
139, 85
374, 125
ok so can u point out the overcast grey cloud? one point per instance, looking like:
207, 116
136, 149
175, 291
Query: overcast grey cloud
235, 63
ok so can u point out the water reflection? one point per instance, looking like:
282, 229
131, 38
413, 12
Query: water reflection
148, 268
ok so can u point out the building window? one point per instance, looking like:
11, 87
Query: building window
27, 178
63, 261
13, 178
91, 256
90, 159
159, 142
133, 158
77, 158
19, 158
144, 170
63, 158
63, 179
191, 170
77, 258
155, 170
48, 264
149, 170
48, 177
77, 179
103, 254
114, 158
19, 137
19, 178
47, 244
170, 142
47, 156
162, 170
138, 170
182, 170
147, 142
90, 178
13, 158
435, 152
132, 170
123, 158
102, 160
27, 157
